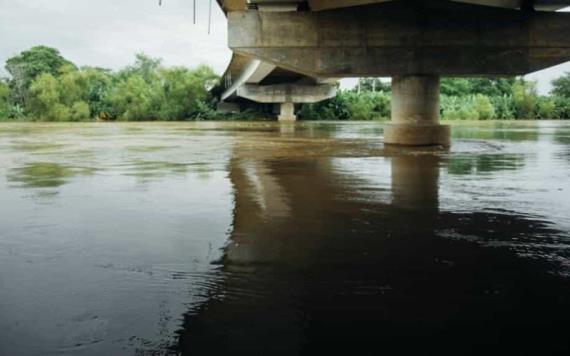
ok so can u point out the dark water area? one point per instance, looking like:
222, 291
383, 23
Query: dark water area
268, 239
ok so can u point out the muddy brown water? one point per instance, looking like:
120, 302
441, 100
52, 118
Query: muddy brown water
267, 239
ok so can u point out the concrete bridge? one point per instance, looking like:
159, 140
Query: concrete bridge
288, 52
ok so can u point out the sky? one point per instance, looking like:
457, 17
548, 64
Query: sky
108, 33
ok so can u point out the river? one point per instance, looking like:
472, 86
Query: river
266, 239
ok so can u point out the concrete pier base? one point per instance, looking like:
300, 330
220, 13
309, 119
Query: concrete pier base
417, 135
415, 113
287, 113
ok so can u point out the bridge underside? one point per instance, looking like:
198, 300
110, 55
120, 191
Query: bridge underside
415, 42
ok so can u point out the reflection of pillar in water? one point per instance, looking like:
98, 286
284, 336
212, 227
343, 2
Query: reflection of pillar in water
415, 182
286, 128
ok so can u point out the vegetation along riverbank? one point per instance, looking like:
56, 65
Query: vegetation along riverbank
45, 86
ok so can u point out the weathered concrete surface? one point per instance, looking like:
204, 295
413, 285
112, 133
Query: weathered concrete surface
318, 5
415, 113
396, 38
241, 71
287, 112
415, 99
282, 93
414, 41
417, 135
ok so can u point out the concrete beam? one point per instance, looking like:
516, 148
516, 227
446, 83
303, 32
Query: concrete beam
282, 93
252, 72
396, 38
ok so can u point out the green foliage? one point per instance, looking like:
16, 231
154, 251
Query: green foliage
455, 87
135, 99
46, 86
30, 64
148, 91
349, 105
485, 110
183, 92
143, 91
4, 100
524, 98
545, 108
504, 107
562, 105
72, 96
561, 86
79, 111
473, 86
473, 107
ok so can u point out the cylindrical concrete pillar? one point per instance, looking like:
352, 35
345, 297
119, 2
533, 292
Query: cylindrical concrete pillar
415, 113
287, 112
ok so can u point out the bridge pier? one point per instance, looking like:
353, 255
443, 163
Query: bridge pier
415, 113
287, 112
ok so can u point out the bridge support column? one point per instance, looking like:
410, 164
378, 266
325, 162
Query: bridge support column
415, 113
287, 113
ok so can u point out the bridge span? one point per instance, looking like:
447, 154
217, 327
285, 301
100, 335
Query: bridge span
290, 52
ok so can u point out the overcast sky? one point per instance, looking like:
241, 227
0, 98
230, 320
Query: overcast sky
108, 33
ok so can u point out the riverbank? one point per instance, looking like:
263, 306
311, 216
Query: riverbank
44, 86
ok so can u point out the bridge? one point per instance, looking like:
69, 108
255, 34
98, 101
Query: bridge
291, 52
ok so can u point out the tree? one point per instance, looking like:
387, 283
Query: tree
147, 91
525, 97
492, 87
183, 90
349, 105
62, 98
28, 65
545, 108
135, 99
4, 100
484, 107
473, 86
146, 67
45, 99
455, 87
561, 86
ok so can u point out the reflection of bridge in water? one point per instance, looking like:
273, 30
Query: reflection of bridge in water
321, 260
288, 52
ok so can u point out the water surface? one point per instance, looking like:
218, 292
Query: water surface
261, 238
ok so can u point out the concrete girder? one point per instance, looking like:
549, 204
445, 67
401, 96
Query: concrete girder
282, 93
287, 95
254, 72
319, 5
441, 38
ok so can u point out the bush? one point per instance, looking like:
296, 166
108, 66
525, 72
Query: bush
484, 108
504, 107
80, 111
473, 107
562, 107
524, 98
545, 108
4, 100
144, 91
349, 105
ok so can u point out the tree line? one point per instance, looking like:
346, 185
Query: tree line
461, 99
43, 85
